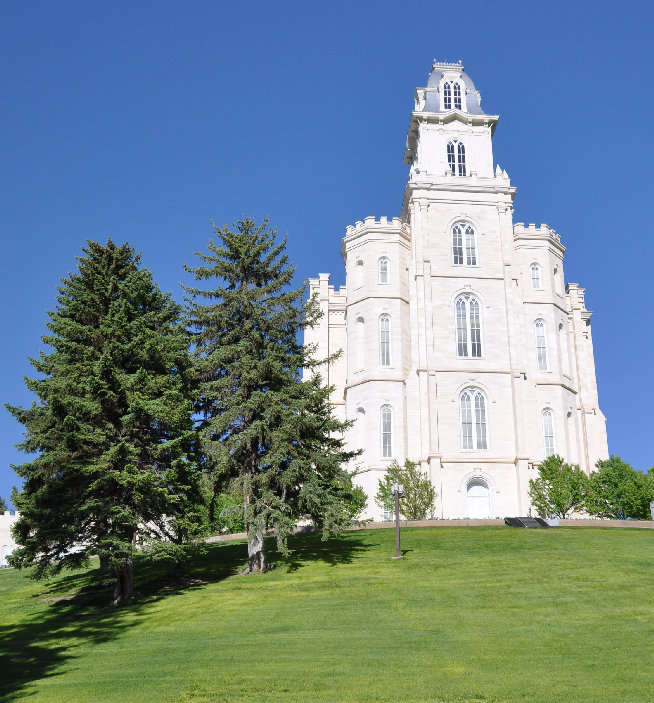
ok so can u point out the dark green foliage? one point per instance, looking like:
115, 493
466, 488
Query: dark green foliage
616, 490
3, 505
112, 427
265, 433
560, 488
228, 512
420, 495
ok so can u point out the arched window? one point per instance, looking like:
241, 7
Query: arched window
451, 88
473, 419
541, 344
548, 431
384, 270
456, 89
535, 276
456, 157
464, 234
468, 326
387, 431
447, 97
385, 340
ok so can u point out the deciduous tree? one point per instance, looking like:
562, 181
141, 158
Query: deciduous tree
265, 432
560, 488
617, 490
112, 427
420, 495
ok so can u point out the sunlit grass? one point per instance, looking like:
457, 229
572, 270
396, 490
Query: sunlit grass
470, 614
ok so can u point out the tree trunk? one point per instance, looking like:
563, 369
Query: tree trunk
256, 553
124, 589
104, 564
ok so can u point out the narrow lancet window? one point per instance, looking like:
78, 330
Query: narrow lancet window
548, 431
535, 276
360, 344
457, 96
384, 270
472, 405
461, 328
468, 326
451, 158
541, 345
387, 431
447, 97
385, 340
461, 159
471, 247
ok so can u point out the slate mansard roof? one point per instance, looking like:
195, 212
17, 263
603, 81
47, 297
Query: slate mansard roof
433, 97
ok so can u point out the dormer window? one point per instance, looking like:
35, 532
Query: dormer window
452, 90
456, 157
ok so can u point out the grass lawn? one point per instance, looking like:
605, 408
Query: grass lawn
471, 614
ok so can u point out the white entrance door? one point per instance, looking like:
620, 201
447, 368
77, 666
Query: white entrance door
478, 499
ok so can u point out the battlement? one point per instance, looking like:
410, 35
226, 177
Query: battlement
519, 230
381, 225
322, 287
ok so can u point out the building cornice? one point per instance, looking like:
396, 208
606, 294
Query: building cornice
442, 118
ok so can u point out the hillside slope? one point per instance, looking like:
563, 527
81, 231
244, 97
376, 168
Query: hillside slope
486, 614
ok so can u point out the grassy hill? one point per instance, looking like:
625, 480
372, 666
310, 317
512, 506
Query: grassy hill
487, 614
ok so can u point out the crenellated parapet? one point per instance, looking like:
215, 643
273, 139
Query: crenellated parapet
577, 298
336, 297
383, 230
543, 232
383, 226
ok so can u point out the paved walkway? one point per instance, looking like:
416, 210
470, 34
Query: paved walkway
642, 524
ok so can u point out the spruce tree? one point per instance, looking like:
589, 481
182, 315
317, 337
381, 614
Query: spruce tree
112, 428
264, 432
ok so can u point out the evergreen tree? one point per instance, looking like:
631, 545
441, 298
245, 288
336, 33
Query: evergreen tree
560, 488
3, 505
265, 434
112, 428
419, 494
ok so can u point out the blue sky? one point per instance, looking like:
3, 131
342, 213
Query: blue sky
143, 121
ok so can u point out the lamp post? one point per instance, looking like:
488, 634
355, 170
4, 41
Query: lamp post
398, 492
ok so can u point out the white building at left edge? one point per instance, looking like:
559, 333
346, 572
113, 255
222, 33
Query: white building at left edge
464, 349
7, 543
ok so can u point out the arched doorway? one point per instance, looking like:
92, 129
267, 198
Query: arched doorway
478, 495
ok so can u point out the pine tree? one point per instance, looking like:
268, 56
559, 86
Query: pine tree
112, 428
264, 432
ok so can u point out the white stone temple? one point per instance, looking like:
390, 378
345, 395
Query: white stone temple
462, 347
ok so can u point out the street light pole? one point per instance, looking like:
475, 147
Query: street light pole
398, 490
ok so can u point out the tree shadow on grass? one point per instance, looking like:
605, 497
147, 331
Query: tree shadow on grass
306, 548
39, 647
74, 612
77, 611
